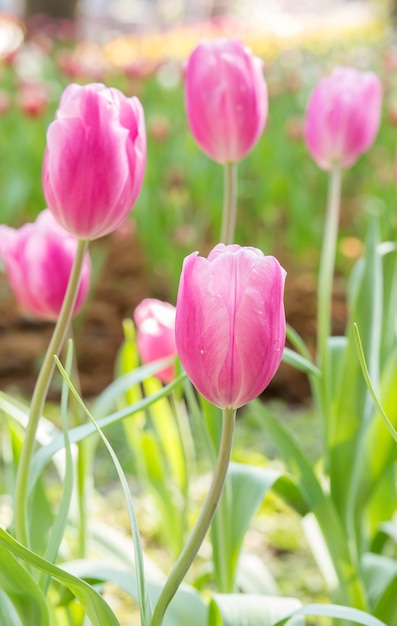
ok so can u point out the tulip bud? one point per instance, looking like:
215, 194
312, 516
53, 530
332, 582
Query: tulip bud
230, 323
155, 321
95, 159
38, 259
343, 116
226, 99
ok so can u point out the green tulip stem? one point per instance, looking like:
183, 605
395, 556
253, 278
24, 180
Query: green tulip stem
203, 523
325, 281
40, 395
229, 203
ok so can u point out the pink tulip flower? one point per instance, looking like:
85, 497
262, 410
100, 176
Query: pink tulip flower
230, 323
343, 116
155, 321
38, 259
226, 99
95, 159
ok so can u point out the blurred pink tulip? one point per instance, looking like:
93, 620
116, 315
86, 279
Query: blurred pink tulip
38, 259
155, 321
33, 99
226, 99
95, 159
343, 116
230, 323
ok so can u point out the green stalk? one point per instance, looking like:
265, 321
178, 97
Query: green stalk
203, 523
325, 282
40, 394
229, 203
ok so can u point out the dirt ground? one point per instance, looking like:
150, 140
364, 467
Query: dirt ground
120, 285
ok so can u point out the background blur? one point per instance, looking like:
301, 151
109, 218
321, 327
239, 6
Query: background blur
140, 46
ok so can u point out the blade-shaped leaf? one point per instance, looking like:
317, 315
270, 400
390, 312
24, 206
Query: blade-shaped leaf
246, 488
333, 610
250, 610
299, 362
186, 607
144, 602
95, 606
44, 455
23, 592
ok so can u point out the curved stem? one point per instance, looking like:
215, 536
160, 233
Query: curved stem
40, 394
203, 523
229, 203
325, 281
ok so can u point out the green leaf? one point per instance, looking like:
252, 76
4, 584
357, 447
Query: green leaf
253, 576
250, 610
299, 362
144, 602
108, 399
127, 361
320, 504
168, 434
95, 606
370, 385
186, 607
8, 613
57, 532
336, 611
351, 410
247, 486
22, 591
44, 455
380, 574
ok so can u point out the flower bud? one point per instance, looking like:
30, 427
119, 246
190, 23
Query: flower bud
38, 259
343, 116
226, 99
155, 321
230, 323
95, 159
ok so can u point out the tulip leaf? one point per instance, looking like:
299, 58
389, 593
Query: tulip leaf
351, 411
144, 602
335, 611
186, 607
8, 613
246, 488
253, 576
370, 385
299, 362
319, 503
95, 606
44, 455
380, 575
107, 400
251, 610
21, 590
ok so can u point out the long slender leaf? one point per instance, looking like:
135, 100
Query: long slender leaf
370, 385
95, 606
57, 532
250, 610
108, 399
248, 486
299, 362
321, 505
186, 608
44, 455
333, 610
22, 591
144, 601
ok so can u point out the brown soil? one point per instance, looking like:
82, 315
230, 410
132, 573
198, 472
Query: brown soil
121, 285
